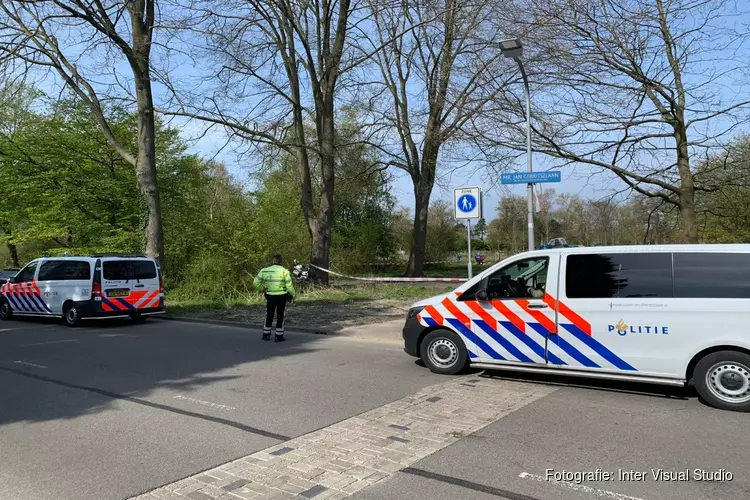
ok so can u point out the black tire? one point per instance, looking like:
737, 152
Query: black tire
138, 318
6, 312
443, 351
722, 380
71, 315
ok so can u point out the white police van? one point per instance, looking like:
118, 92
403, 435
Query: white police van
673, 314
78, 288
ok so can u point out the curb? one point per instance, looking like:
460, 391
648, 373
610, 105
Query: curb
238, 324
310, 331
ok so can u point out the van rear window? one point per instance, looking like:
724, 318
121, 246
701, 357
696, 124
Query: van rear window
620, 275
144, 269
712, 275
121, 270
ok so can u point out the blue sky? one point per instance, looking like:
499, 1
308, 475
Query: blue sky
580, 180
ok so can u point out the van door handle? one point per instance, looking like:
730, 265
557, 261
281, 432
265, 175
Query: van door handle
537, 306
139, 286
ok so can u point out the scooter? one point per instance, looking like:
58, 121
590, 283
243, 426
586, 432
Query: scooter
301, 273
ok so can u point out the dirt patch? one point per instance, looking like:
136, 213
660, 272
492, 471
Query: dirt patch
311, 315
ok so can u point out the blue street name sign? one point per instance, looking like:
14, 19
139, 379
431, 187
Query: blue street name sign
530, 177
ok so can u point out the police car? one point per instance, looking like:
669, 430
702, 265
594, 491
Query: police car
674, 315
79, 288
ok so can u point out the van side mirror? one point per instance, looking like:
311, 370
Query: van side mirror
482, 294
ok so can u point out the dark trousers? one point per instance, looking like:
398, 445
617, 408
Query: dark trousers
275, 305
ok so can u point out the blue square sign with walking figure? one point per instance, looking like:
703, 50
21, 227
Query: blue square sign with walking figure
467, 203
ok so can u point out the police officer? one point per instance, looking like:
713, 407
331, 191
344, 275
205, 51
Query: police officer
276, 283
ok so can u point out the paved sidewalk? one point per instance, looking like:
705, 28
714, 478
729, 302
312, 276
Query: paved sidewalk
344, 458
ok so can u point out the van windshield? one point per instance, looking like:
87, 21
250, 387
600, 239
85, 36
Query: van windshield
121, 270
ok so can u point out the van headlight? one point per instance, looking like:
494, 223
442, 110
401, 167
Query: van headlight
414, 311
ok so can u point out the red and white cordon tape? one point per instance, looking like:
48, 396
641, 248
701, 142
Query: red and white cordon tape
393, 280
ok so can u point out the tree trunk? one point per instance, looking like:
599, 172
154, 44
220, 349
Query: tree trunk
321, 229
142, 23
321, 251
422, 192
687, 187
145, 170
13, 251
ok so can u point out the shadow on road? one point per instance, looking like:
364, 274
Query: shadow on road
49, 371
652, 390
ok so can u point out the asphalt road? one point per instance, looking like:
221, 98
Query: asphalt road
617, 428
112, 410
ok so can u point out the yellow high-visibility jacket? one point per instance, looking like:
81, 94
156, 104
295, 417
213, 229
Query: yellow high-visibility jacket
274, 280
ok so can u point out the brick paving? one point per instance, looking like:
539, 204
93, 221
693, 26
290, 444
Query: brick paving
346, 457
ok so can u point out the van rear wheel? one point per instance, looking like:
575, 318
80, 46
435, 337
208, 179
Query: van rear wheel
444, 352
722, 380
138, 318
71, 315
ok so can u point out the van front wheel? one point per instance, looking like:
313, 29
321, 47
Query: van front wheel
6, 312
722, 380
444, 352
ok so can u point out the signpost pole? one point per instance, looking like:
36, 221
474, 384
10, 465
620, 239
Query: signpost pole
530, 186
468, 241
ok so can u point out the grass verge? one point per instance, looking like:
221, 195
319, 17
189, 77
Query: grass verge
327, 309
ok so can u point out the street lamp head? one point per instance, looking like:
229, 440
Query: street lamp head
511, 48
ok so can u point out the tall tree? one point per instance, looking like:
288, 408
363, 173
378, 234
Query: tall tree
638, 88
435, 76
481, 228
74, 38
271, 65
16, 101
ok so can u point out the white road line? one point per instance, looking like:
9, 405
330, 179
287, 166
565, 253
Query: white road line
205, 403
579, 487
7, 329
50, 342
114, 335
26, 363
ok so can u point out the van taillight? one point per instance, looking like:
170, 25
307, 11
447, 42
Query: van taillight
161, 285
96, 289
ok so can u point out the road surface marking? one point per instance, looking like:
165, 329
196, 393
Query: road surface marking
30, 364
579, 487
339, 460
6, 329
113, 335
50, 342
205, 403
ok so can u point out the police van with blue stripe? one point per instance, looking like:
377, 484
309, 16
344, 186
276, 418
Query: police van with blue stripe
671, 314
80, 288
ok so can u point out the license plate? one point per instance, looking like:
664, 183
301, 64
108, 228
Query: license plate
118, 293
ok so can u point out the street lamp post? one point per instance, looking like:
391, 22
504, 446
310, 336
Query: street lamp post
513, 49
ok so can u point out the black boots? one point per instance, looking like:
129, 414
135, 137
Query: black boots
276, 338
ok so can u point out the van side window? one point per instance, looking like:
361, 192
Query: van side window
620, 275
26, 274
525, 279
712, 275
64, 270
